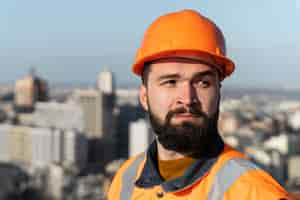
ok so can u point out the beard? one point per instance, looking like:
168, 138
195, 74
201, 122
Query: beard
189, 138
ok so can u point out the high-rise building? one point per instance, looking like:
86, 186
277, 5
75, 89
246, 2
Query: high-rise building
74, 148
24, 94
57, 145
41, 145
106, 82
129, 111
99, 118
91, 102
140, 137
28, 91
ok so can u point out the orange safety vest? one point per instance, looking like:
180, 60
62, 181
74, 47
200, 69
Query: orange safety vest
230, 176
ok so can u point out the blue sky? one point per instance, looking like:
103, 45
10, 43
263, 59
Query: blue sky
70, 40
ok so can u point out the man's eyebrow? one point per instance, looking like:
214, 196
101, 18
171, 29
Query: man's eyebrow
196, 75
168, 76
205, 73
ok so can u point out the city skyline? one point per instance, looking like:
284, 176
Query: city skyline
71, 42
71, 144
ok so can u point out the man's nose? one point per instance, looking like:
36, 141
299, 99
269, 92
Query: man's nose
187, 95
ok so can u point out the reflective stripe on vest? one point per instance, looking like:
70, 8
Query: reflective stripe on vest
227, 175
129, 177
224, 178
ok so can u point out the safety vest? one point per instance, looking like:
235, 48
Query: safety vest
232, 176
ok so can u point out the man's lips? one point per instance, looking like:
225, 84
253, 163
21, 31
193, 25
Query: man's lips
185, 116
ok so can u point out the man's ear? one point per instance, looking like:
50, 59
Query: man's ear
143, 96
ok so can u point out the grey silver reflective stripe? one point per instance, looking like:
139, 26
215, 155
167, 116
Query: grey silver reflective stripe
227, 175
129, 177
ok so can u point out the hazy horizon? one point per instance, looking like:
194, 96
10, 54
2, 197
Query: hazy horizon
73, 41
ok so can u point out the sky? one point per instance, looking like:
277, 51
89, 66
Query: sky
72, 41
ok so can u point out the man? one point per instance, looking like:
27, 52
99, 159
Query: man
182, 63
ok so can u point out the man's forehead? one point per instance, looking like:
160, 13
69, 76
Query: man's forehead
180, 65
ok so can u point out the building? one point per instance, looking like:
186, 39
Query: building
54, 182
286, 144
106, 85
74, 149
4, 142
24, 94
20, 144
106, 82
99, 123
28, 91
129, 110
41, 145
140, 137
294, 120
228, 123
55, 115
57, 145
127, 97
293, 171
91, 101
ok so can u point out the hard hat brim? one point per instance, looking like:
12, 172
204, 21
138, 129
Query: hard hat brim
224, 64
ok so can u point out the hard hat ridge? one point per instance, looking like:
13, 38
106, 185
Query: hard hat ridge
184, 33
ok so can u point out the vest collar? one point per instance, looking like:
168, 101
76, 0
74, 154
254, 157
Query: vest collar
150, 174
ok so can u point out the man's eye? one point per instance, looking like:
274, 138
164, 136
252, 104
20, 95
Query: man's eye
171, 82
203, 83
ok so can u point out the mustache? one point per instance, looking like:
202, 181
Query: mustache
194, 110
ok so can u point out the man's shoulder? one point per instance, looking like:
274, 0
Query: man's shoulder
242, 176
134, 160
259, 184
258, 178
132, 163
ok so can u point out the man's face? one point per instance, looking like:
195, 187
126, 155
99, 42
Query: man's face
182, 99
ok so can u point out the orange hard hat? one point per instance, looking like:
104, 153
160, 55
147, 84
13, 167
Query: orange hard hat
184, 33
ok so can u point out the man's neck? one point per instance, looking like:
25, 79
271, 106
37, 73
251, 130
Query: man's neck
165, 154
